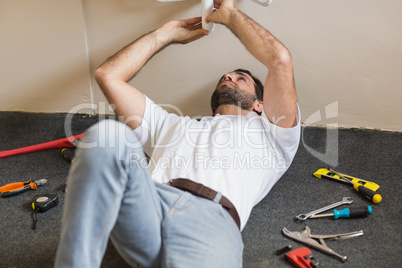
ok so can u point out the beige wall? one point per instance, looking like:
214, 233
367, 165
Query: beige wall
347, 56
42, 56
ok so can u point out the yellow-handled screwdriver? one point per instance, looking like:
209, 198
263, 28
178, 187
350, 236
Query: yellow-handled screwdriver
364, 191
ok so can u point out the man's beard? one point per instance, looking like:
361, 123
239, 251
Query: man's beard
226, 95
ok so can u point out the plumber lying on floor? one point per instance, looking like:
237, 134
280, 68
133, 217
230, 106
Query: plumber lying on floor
159, 214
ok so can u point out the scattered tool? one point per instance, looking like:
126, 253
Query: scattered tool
42, 203
283, 249
327, 174
305, 237
344, 201
364, 191
68, 154
302, 258
346, 213
15, 188
363, 187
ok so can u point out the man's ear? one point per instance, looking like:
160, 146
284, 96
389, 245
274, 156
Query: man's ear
258, 106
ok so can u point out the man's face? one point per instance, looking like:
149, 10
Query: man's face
235, 88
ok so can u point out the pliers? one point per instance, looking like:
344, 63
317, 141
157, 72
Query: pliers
305, 237
15, 188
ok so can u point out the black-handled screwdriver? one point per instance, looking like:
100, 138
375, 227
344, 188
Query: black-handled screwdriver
68, 154
346, 213
361, 189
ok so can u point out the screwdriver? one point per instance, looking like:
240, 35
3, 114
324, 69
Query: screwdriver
68, 154
346, 213
361, 189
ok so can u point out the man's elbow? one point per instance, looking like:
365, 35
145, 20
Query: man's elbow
283, 59
280, 58
100, 75
105, 80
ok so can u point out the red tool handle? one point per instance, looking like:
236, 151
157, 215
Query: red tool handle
65, 142
300, 258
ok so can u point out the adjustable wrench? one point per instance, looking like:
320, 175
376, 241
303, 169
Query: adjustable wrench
344, 200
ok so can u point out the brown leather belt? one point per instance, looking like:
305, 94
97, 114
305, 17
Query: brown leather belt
202, 191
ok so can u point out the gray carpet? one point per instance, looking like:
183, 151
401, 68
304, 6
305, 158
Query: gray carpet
371, 155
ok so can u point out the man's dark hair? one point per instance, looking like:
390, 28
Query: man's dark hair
258, 86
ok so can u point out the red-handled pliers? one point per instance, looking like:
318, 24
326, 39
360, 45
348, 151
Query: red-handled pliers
15, 188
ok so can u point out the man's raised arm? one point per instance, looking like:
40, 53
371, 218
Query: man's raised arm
280, 101
113, 75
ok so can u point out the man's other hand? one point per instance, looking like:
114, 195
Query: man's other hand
182, 31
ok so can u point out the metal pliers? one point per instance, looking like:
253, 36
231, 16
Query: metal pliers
305, 237
15, 188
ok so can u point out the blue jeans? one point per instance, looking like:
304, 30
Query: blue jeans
111, 194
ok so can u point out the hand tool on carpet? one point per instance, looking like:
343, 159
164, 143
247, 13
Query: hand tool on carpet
302, 258
346, 213
42, 203
305, 237
15, 188
327, 174
68, 154
361, 189
283, 249
65, 142
305, 216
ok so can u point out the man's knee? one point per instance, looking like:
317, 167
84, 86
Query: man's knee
109, 133
111, 137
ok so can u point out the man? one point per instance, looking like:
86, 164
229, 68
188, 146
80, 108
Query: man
152, 217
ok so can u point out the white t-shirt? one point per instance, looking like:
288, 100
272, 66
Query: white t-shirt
242, 157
